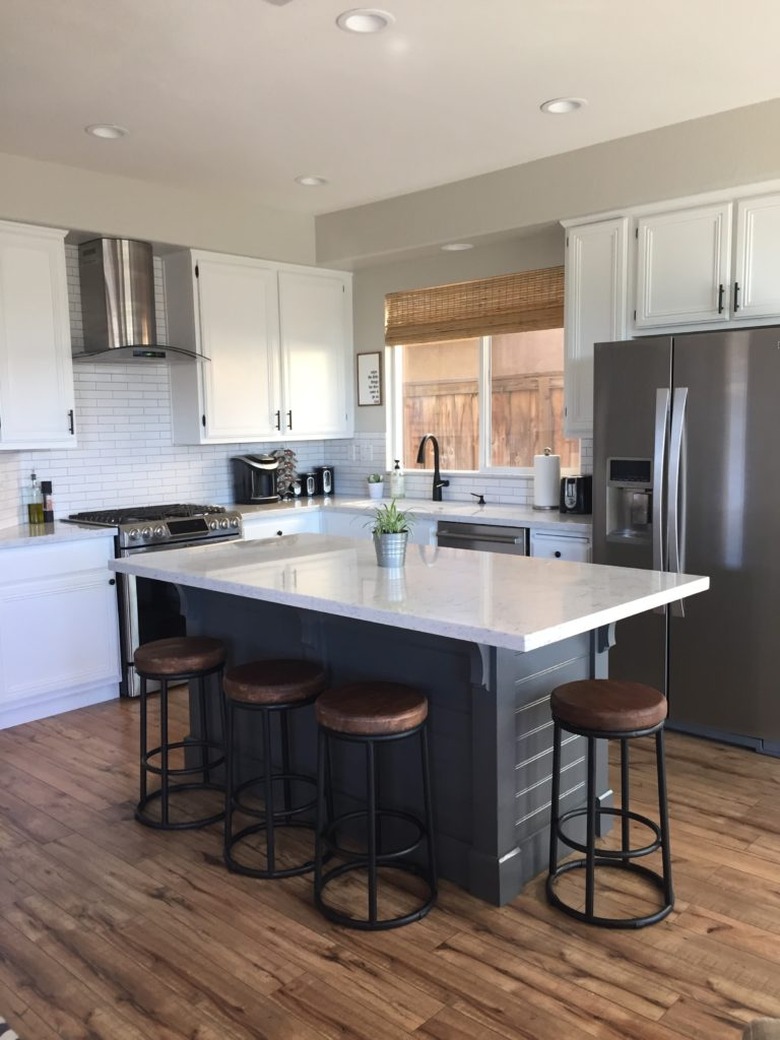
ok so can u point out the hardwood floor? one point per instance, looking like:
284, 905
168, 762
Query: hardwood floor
111, 930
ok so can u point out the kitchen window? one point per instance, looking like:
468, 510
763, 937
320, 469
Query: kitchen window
494, 397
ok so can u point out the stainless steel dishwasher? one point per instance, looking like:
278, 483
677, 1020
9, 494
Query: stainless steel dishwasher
496, 538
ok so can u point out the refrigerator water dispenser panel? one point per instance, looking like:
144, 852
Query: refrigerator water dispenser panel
629, 511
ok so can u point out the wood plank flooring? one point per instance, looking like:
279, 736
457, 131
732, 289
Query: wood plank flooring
110, 930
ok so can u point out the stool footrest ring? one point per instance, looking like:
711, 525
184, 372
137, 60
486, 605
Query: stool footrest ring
379, 924
619, 814
609, 922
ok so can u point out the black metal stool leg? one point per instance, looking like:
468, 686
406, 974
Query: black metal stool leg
663, 815
428, 808
284, 732
164, 753
590, 855
555, 798
371, 808
143, 775
625, 797
227, 832
270, 831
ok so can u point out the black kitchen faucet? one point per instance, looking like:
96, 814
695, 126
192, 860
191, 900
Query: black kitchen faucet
438, 483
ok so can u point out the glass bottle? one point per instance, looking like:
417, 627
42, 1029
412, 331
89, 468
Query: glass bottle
35, 503
397, 482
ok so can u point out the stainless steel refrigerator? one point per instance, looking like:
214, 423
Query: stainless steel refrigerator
686, 476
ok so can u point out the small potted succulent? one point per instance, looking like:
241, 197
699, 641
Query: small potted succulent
376, 485
390, 527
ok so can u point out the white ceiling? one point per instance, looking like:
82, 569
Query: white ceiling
242, 96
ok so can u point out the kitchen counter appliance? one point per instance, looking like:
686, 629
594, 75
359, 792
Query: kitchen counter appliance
686, 478
254, 478
148, 609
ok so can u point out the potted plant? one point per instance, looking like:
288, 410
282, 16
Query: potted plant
390, 527
376, 485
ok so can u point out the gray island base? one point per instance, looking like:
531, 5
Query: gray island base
486, 638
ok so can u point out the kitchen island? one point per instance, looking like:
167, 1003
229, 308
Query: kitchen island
486, 637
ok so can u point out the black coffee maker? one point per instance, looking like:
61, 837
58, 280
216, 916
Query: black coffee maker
254, 479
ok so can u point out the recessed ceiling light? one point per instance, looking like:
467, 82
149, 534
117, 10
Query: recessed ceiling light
109, 131
311, 182
364, 20
562, 105
456, 247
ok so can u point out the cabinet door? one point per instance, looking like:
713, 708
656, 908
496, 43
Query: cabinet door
272, 527
683, 266
756, 290
36, 375
553, 546
58, 641
316, 352
347, 525
239, 332
595, 301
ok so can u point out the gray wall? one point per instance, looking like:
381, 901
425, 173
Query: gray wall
722, 151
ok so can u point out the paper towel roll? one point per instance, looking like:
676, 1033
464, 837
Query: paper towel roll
547, 481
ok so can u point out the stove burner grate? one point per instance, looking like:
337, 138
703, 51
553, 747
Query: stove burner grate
140, 514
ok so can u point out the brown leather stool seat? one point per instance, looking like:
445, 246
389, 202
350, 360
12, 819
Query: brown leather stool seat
268, 688
608, 709
170, 661
372, 715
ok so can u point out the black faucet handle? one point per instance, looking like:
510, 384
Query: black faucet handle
481, 498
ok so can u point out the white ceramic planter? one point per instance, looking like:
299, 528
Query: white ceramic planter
376, 490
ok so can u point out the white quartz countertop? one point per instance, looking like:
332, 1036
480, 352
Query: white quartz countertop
516, 602
470, 512
47, 534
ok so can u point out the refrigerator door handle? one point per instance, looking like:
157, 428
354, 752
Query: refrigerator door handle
676, 489
662, 397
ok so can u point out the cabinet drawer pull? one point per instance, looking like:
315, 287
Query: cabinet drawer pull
112, 581
736, 297
720, 299
278, 420
289, 419
70, 421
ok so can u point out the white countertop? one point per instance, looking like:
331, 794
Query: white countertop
516, 602
15, 536
471, 511
47, 534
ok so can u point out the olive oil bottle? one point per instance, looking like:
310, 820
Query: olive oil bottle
35, 502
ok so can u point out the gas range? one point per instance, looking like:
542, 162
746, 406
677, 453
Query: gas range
140, 527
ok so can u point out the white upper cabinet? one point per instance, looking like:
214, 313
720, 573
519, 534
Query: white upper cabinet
756, 290
279, 340
682, 267
315, 310
36, 373
595, 300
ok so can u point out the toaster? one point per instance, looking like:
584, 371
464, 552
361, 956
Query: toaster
576, 494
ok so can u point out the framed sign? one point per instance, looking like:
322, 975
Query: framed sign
369, 379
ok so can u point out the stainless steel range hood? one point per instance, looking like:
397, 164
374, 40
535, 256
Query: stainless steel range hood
117, 304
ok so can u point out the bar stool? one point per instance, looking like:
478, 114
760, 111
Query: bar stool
372, 715
605, 709
270, 688
170, 661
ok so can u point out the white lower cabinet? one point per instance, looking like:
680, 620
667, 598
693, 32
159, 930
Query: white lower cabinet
267, 527
59, 630
573, 546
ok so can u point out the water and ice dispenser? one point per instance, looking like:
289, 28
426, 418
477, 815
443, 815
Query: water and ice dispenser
629, 500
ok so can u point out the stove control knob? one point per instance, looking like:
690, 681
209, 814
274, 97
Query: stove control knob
234, 522
132, 534
146, 532
213, 525
223, 524
159, 532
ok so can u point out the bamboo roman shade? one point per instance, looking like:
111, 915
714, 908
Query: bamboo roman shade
506, 303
